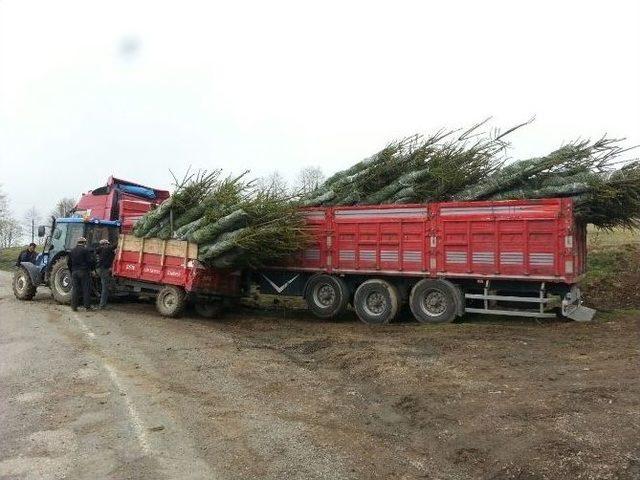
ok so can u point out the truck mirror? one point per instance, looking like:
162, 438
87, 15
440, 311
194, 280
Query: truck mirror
41, 231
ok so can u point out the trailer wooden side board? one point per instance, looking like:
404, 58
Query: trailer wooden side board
171, 262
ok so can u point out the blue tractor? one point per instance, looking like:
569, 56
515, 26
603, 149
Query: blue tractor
51, 268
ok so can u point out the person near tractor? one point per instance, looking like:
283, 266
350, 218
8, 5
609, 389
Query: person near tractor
106, 254
27, 255
80, 262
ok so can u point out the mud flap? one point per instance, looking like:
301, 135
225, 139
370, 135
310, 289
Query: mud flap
572, 307
580, 313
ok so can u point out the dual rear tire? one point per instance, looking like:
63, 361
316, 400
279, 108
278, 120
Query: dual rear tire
434, 301
327, 296
377, 301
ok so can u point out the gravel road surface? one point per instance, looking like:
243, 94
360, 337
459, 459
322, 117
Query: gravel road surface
128, 394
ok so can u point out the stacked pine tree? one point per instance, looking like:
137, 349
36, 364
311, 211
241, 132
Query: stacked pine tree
237, 223
472, 166
233, 221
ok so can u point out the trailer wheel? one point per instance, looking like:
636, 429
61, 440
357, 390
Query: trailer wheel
171, 301
60, 281
433, 301
209, 309
376, 302
326, 296
23, 287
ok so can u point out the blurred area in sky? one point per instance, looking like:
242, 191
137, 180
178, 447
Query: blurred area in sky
129, 47
89, 89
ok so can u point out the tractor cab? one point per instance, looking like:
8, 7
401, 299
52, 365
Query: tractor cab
65, 233
51, 268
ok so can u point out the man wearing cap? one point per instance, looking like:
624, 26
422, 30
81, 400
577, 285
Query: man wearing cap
106, 254
80, 262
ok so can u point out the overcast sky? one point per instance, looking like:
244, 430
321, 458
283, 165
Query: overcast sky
133, 88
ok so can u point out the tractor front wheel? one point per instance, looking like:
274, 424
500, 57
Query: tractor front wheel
23, 287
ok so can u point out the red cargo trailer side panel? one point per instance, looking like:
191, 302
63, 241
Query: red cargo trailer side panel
137, 263
382, 238
510, 239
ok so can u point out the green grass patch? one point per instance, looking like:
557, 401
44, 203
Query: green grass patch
613, 276
8, 257
599, 239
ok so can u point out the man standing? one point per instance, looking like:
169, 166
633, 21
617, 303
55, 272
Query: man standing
80, 262
106, 253
27, 255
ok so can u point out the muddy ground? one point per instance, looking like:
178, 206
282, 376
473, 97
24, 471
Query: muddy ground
129, 394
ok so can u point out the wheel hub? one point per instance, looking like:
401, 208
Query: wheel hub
434, 303
169, 301
325, 295
63, 281
375, 303
20, 283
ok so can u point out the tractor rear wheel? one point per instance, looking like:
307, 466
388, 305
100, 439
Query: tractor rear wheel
60, 281
171, 301
23, 287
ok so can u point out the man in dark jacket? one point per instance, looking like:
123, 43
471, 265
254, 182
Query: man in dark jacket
106, 253
80, 262
27, 255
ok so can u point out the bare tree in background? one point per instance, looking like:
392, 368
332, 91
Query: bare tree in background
10, 232
275, 182
32, 219
63, 207
308, 179
4, 205
10, 229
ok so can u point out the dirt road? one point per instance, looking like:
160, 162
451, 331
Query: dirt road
128, 394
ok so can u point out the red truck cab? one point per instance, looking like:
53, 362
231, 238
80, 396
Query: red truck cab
120, 200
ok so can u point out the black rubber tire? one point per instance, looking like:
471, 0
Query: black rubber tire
60, 281
433, 301
326, 296
23, 287
209, 309
376, 302
171, 301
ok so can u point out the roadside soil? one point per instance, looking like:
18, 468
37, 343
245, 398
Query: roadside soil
279, 394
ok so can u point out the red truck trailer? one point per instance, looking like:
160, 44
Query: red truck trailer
513, 257
170, 271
